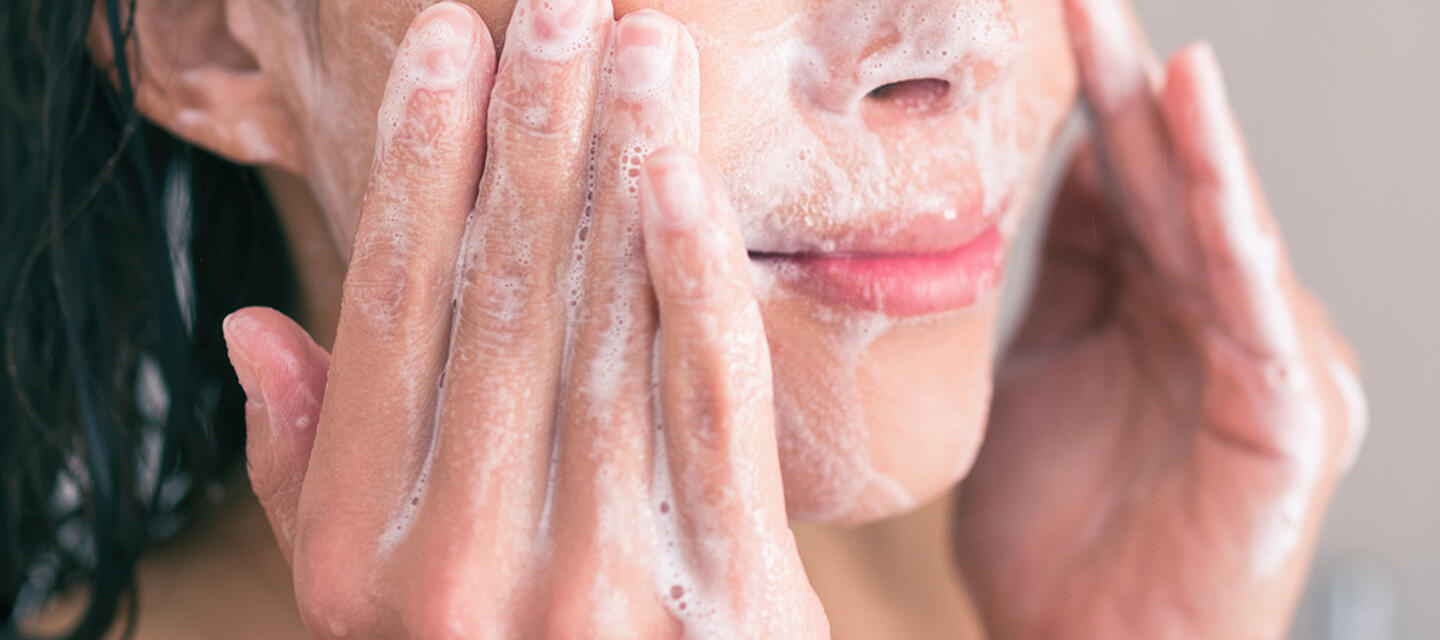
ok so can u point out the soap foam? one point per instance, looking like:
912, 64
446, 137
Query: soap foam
527, 24
1357, 411
795, 173
704, 610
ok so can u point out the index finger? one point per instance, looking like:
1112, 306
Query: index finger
395, 313
1119, 76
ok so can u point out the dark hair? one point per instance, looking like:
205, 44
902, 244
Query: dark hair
121, 250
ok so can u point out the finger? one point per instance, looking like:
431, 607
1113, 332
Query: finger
721, 465
395, 313
1076, 272
1118, 72
1241, 251
283, 372
493, 445
650, 99
1262, 392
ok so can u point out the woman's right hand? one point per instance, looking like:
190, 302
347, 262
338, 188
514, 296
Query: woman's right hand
506, 443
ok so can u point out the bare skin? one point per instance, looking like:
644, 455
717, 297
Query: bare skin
1166, 429
1191, 394
561, 487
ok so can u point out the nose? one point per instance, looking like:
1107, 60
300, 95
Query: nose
900, 60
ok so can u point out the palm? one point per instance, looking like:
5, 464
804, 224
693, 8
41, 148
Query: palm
1165, 426
1105, 497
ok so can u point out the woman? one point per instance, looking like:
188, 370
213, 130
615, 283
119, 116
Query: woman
611, 330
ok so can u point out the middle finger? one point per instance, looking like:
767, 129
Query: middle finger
492, 446
650, 99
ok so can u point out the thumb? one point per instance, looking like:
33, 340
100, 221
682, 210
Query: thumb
283, 373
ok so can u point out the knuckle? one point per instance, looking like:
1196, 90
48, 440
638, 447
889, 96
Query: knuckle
392, 292
541, 113
423, 132
699, 291
1268, 402
447, 614
507, 297
701, 269
571, 611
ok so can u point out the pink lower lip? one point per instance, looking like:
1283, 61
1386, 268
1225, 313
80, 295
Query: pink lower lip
897, 283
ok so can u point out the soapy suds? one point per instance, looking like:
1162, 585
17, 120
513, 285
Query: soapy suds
831, 442
798, 175
641, 99
399, 523
411, 76
547, 34
1297, 419
849, 173
1357, 412
705, 612
1280, 528
805, 173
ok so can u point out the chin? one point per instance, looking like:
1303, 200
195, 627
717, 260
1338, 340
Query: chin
875, 415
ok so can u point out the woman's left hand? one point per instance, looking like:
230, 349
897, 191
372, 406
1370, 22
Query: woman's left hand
549, 411
1176, 410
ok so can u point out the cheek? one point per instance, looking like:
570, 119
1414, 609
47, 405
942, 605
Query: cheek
350, 48
1046, 74
342, 99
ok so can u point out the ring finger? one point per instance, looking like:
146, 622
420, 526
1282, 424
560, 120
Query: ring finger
492, 445
650, 99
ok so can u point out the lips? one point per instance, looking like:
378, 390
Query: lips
919, 274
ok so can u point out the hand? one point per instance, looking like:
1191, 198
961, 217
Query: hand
1174, 413
548, 413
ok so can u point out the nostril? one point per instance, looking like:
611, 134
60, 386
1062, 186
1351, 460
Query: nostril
911, 97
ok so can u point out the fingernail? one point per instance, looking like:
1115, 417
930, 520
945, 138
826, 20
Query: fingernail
443, 41
239, 331
644, 55
559, 21
673, 192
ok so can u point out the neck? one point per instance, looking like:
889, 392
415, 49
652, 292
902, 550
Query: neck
319, 268
892, 579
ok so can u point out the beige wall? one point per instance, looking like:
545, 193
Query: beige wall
1340, 99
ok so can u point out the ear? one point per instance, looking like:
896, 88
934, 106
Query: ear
194, 74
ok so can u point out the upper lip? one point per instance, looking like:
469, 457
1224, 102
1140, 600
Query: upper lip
904, 234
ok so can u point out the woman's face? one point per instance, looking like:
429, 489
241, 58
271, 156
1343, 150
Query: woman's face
882, 367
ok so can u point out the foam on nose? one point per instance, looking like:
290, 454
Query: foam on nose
859, 46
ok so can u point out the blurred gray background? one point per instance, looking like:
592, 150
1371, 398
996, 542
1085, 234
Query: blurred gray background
1340, 101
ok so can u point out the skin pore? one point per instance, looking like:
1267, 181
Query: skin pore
833, 127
